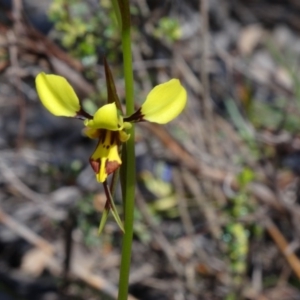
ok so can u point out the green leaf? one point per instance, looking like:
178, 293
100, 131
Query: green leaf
117, 217
103, 219
111, 205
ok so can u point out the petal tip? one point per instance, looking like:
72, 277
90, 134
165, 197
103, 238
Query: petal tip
164, 102
57, 95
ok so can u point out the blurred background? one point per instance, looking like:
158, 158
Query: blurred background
217, 199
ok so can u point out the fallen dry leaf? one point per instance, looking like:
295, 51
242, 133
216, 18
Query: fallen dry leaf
35, 261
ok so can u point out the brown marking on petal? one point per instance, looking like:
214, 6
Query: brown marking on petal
82, 114
95, 164
135, 117
96, 134
111, 166
113, 137
102, 137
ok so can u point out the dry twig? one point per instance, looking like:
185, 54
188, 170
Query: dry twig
96, 281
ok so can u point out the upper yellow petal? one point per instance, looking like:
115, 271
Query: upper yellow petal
57, 95
106, 117
164, 102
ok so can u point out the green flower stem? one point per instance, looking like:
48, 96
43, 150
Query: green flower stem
129, 177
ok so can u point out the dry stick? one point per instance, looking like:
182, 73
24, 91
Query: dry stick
260, 191
11, 178
17, 15
237, 143
13, 36
161, 239
194, 188
68, 226
151, 64
158, 235
142, 72
193, 82
189, 229
144, 8
184, 157
283, 246
182, 203
95, 281
207, 102
179, 181
207, 105
26, 233
76, 79
188, 74
36, 42
41, 200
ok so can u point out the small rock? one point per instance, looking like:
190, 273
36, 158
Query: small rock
262, 66
66, 195
249, 38
283, 36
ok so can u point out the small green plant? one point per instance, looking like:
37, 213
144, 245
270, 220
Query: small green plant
281, 112
83, 30
236, 234
242, 125
168, 29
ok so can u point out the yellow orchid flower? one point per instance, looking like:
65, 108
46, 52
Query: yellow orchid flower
164, 103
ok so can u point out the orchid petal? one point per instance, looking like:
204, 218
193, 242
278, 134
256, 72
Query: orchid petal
106, 117
164, 102
105, 160
92, 133
123, 136
57, 95
103, 220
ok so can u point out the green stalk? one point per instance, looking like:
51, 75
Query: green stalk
129, 172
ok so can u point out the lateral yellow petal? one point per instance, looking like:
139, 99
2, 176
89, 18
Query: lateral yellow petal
106, 117
164, 102
57, 95
92, 133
